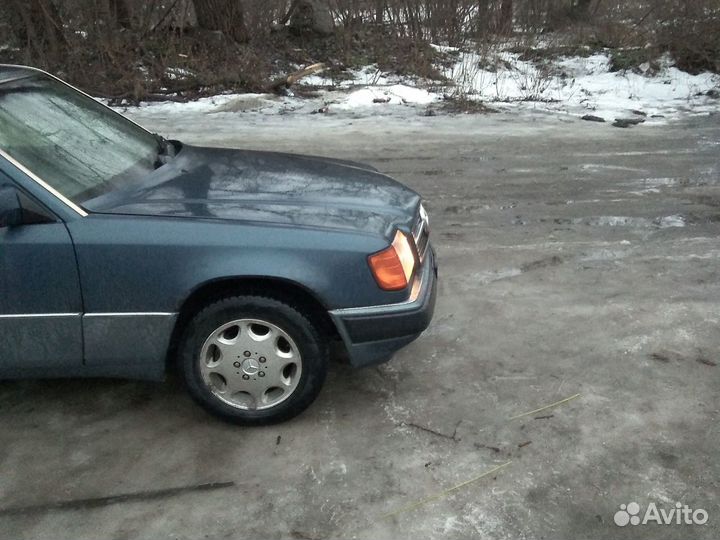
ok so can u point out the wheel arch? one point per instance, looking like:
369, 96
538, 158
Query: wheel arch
280, 289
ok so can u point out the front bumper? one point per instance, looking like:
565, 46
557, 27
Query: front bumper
373, 334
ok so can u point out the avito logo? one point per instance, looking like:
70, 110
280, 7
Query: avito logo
681, 514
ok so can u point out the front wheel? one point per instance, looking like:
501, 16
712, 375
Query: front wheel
253, 360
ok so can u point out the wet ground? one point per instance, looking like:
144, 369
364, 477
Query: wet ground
579, 267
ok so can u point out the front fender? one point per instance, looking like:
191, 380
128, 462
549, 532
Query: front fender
136, 264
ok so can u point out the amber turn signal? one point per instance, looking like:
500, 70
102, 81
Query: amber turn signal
394, 266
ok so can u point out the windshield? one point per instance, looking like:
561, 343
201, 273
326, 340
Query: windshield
79, 147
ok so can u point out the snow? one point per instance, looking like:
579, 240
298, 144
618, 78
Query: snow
596, 89
200, 105
397, 94
573, 86
445, 48
174, 73
581, 86
369, 75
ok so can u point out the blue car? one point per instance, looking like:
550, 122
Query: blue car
123, 254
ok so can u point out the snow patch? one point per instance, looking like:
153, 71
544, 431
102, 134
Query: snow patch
586, 85
671, 221
174, 73
398, 94
445, 48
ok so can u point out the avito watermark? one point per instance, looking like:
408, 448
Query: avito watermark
680, 514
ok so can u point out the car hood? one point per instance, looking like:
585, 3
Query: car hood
267, 187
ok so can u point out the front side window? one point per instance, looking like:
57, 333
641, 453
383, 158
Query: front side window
75, 144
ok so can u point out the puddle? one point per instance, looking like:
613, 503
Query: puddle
484, 278
466, 209
655, 183
599, 255
672, 221
663, 222
706, 176
596, 167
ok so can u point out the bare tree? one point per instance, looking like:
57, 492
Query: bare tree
120, 10
505, 20
112, 14
225, 16
581, 9
41, 29
379, 11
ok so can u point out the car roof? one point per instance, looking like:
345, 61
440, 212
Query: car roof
12, 73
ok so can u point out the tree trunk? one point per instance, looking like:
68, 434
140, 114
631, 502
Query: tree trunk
41, 28
505, 20
312, 16
379, 11
225, 16
482, 18
121, 12
111, 17
581, 10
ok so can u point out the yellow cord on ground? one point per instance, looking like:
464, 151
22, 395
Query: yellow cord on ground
561, 402
442, 494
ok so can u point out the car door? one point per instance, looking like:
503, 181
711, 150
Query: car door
40, 300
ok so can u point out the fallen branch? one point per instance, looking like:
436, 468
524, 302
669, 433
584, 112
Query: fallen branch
287, 81
452, 437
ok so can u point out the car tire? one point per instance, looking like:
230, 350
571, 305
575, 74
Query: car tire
253, 360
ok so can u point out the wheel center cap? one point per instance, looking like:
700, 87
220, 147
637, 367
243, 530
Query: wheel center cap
250, 366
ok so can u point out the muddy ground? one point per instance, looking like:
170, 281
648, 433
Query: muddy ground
577, 261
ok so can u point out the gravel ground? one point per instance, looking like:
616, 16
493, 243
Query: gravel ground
577, 260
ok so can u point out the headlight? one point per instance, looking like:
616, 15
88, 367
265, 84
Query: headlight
394, 266
424, 215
